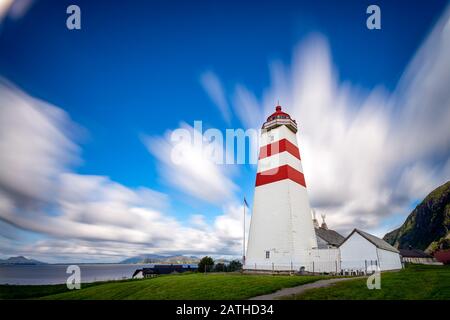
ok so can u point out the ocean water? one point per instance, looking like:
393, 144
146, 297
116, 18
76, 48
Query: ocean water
56, 273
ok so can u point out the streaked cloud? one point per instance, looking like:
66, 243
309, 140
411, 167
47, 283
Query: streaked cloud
35, 146
194, 171
4, 7
366, 155
48, 211
15, 9
214, 88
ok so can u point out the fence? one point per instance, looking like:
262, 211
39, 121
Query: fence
357, 267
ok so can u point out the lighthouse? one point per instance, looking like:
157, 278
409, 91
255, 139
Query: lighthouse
281, 233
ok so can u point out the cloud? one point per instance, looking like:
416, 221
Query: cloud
244, 104
15, 9
215, 91
4, 7
223, 237
48, 211
19, 8
35, 146
366, 155
192, 169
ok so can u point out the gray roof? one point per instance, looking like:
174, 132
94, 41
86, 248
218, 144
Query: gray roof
413, 253
379, 243
330, 236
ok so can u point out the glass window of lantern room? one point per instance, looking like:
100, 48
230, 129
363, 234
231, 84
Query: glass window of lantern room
267, 254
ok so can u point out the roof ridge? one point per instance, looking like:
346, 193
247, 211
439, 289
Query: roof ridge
378, 242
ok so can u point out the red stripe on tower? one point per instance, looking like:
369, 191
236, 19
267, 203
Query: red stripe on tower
279, 147
278, 174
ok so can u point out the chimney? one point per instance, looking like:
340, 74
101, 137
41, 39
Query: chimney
324, 224
315, 222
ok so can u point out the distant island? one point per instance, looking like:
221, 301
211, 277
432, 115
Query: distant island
139, 259
21, 260
155, 258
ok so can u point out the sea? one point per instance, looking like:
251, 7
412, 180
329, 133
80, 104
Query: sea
57, 273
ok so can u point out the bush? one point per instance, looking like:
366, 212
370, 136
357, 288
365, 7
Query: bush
206, 264
235, 265
220, 267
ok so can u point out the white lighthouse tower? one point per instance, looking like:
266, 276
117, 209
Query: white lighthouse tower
281, 231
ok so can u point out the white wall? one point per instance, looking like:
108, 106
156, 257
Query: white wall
282, 132
281, 224
355, 251
358, 253
324, 260
389, 260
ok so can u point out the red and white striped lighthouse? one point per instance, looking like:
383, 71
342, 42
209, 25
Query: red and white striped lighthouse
281, 230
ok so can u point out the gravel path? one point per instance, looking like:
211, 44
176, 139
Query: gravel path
300, 289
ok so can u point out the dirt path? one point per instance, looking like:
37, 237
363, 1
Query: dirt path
300, 289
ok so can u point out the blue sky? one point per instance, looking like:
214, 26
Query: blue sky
134, 71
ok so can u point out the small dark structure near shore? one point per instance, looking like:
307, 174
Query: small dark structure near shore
417, 256
158, 269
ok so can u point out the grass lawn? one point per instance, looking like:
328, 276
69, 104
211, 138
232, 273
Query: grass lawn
194, 286
414, 282
33, 291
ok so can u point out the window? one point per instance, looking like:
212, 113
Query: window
267, 254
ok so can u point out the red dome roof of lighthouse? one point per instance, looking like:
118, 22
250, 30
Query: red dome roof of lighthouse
280, 118
278, 114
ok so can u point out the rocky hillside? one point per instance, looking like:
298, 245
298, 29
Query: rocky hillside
427, 227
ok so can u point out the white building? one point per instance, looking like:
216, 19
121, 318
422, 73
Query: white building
281, 230
364, 252
417, 256
326, 238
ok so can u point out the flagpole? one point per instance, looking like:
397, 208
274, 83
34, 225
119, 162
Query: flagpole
243, 244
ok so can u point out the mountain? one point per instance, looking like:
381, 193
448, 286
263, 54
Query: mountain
427, 226
142, 257
20, 260
154, 258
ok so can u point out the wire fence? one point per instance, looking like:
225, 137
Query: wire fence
356, 267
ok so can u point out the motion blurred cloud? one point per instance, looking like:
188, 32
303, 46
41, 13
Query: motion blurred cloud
15, 9
35, 146
216, 92
193, 171
366, 155
86, 214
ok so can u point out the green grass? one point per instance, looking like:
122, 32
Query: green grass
414, 282
195, 286
33, 291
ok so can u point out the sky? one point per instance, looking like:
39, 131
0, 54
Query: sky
86, 118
